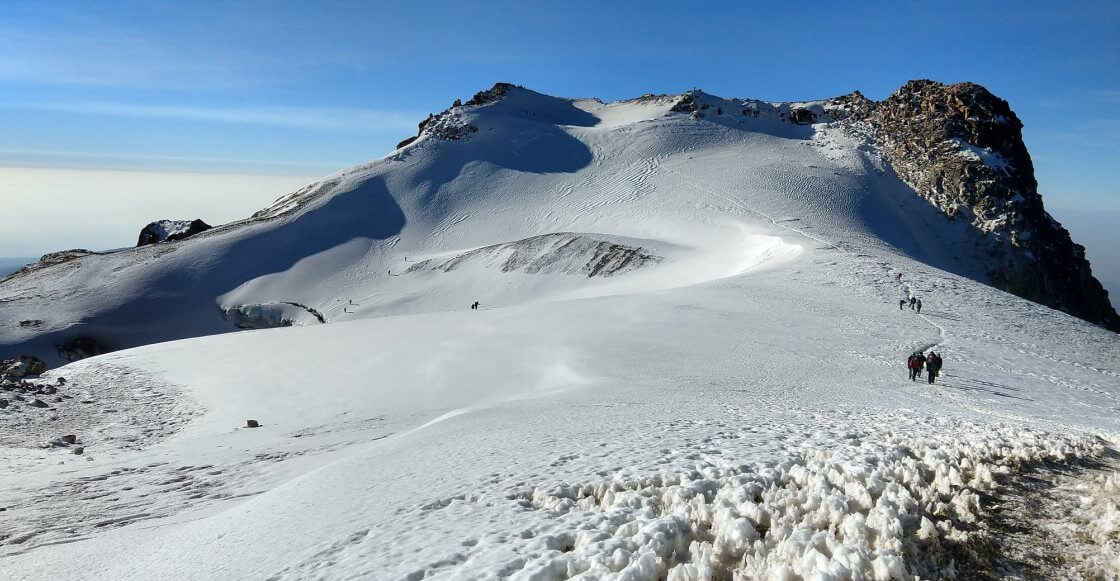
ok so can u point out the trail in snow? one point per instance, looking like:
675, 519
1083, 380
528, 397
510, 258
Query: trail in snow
748, 208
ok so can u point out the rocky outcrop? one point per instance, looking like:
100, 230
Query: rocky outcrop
492, 94
961, 148
853, 105
169, 230
80, 348
561, 252
22, 366
448, 126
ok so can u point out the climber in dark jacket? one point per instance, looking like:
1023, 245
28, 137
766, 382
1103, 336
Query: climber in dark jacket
933, 366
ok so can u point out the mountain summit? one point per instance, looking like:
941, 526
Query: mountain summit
517, 196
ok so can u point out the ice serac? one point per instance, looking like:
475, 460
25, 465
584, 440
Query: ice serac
961, 148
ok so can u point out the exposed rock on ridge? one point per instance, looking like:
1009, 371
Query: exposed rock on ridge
562, 252
448, 126
170, 230
961, 148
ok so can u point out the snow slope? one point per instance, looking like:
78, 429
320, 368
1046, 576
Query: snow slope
736, 404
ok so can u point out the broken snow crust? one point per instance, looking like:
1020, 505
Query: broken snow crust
738, 409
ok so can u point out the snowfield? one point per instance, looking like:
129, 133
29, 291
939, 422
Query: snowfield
689, 363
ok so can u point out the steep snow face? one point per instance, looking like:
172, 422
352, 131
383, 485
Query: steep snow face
730, 402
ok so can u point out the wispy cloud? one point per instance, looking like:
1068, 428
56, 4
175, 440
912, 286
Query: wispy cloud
1110, 96
17, 157
155, 45
319, 118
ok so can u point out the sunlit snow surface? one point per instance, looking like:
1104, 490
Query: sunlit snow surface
737, 407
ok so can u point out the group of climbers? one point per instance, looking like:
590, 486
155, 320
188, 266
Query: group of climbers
918, 361
931, 363
915, 304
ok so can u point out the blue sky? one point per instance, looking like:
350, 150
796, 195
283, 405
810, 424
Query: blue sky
305, 88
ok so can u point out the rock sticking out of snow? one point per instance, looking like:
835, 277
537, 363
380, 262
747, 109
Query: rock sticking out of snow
22, 366
169, 230
79, 348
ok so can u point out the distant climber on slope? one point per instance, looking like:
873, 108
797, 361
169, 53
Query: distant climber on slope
914, 363
901, 303
933, 366
912, 301
474, 305
919, 304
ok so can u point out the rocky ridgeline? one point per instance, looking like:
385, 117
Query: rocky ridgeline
448, 126
961, 148
52, 259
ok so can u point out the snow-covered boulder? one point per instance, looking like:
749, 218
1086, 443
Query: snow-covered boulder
168, 230
22, 366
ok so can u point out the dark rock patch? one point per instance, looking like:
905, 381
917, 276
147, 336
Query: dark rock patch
170, 230
80, 348
22, 366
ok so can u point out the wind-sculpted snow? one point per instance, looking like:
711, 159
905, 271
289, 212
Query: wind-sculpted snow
564, 252
874, 509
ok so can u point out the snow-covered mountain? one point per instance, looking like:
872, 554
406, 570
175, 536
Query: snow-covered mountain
511, 165
687, 362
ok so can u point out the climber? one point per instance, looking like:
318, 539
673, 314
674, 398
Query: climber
914, 363
919, 303
933, 366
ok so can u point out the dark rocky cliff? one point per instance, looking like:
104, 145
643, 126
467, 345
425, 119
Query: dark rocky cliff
961, 148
